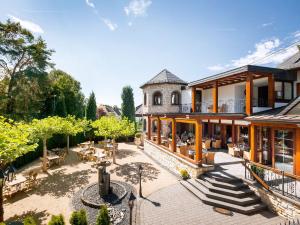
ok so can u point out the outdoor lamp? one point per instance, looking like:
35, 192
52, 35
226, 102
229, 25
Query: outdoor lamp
140, 180
2, 178
11, 172
131, 204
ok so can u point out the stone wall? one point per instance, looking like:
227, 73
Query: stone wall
281, 205
172, 162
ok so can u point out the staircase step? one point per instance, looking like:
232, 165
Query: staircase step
218, 176
213, 202
244, 201
232, 186
234, 193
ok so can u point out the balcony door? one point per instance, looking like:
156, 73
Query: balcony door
262, 98
198, 100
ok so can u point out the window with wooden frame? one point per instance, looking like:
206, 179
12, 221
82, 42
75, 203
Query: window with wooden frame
283, 91
175, 98
157, 98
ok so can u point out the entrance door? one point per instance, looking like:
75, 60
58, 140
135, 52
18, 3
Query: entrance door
262, 96
198, 100
298, 89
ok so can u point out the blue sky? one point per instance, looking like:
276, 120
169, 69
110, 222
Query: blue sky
106, 44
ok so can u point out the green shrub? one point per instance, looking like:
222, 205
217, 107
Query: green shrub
258, 171
29, 221
78, 218
184, 174
2, 223
103, 217
57, 220
138, 135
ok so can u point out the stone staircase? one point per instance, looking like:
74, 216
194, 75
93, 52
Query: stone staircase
226, 192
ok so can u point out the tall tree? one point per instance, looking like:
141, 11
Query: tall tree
127, 107
91, 108
16, 140
19, 51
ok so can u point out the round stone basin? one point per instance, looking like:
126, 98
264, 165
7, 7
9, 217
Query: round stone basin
90, 195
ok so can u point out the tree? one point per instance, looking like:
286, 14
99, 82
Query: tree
60, 107
91, 108
103, 216
45, 129
19, 51
112, 127
57, 220
78, 218
15, 141
127, 107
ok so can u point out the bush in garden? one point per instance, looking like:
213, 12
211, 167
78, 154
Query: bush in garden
78, 218
29, 221
184, 174
103, 217
57, 220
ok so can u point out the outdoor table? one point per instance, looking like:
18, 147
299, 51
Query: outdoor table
53, 158
100, 155
17, 184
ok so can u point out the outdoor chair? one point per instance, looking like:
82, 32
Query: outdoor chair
31, 180
47, 162
210, 158
62, 157
216, 144
230, 149
206, 144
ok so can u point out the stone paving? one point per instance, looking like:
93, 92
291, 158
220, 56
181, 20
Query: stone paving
175, 205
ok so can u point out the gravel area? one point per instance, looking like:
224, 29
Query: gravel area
119, 210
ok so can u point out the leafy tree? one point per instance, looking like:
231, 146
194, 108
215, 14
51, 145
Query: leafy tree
127, 107
15, 141
112, 127
78, 218
103, 216
60, 107
45, 129
19, 51
57, 220
91, 108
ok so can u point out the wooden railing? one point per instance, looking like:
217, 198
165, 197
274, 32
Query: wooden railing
273, 179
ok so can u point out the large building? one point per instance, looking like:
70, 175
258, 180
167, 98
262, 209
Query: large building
255, 108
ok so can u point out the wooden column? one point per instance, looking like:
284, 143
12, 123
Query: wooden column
173, 135
233, 134
252, 143
149, 128
193, 99
215, 97
271, 91
249, 93
297, 152
158, 131
198, 142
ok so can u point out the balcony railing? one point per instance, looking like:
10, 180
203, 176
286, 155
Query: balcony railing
224, 106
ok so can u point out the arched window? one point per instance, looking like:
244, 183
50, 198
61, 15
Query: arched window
145, 99
157, 98
175, 98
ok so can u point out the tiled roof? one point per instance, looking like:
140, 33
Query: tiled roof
281, 114
139, 110
165, 77
292, 62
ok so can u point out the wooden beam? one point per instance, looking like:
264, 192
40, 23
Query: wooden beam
271, 91
149, 128
215, 97
297, 152
193, 99
173, 135
252, 143
249, 94
158, 131
198, 142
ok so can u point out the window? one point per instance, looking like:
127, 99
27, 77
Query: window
145, 99
283, 90
175, 98
157, 98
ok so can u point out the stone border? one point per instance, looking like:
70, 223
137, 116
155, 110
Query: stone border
98, 206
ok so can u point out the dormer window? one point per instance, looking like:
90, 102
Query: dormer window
157, 98
145, 99
175, 98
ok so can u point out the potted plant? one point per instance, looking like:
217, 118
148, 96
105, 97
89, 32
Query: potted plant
137, 139
184, 174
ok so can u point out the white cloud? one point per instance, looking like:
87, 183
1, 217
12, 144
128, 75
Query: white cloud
297, 34
89, 3
137, 7
33, 27
267, 24
265, 52
129, 24
112, 26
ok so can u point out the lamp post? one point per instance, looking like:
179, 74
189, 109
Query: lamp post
131, 204
140, 180
7, 174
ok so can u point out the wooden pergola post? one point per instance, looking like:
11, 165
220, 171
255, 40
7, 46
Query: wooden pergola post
158, 131
198, 142
215, 97
252, 137
173, 135
271, 91
193, 99
249, 93
297, 152
149, 128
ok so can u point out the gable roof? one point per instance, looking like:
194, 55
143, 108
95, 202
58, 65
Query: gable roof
291, 63
165, 77
139, 110
282, 114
